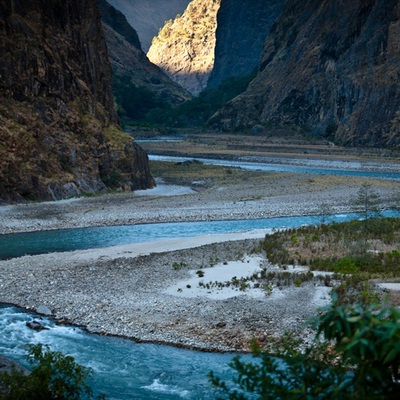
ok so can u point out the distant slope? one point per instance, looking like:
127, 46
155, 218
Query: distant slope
149, 16
185, 46
329, 68
139, 85
59, 133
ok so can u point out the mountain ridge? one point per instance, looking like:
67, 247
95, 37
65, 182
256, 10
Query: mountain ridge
148, 17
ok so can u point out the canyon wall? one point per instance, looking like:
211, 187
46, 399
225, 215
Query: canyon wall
131, 68
329, 68
242, 27
59, 133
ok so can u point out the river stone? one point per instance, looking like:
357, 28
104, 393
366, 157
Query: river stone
44, 310
36, 326
8, 366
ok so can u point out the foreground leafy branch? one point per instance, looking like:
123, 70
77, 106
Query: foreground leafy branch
54, 376
359, 359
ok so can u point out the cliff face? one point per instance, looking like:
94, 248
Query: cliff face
130, 64
58, 127
149, 16
242, 27
184, 48
330, 67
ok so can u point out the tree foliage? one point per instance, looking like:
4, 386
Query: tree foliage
134, 102
54, 376
196, 112
359, 359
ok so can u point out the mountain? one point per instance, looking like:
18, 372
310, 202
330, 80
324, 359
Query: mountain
59, 133
242, 27
149, 16
330, 68
139, 85
184, 47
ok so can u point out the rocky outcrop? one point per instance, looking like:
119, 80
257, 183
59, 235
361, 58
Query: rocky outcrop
7, 366
59, 133
330, 68
242, 27
184, 47
148, 17
129, 62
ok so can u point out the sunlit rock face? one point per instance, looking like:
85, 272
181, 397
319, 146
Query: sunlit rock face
185, 46
59, 133
330, 68
149, 16
242, 27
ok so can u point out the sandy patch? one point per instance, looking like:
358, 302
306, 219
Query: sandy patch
390, 286
223, 272
160, 246
165, 190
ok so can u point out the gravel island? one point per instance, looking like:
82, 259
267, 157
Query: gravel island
137, 291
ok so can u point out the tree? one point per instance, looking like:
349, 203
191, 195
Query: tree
359, 359
367, 202
54, 376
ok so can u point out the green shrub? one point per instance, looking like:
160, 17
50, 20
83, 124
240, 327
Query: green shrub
54, 376
359, 360
346, 265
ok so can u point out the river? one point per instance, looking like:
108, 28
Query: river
123, 369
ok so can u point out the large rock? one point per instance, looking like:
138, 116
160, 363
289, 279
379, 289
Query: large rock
7, 366
59, 133
330, 68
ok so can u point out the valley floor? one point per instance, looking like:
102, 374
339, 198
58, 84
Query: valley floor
133, 291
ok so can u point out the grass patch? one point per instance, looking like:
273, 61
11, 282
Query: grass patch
355, 252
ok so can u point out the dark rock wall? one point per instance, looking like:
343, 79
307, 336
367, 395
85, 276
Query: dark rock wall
114, 18
331, 68
59, 131
242, 27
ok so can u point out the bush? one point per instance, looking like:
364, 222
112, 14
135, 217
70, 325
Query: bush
359, 360
54, 376
346, 265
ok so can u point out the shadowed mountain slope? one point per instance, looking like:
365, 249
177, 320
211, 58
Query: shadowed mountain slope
329, 68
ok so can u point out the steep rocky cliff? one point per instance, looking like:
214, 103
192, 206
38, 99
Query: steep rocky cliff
184, 48
59, 132
149, 16
134, 75
331, 68
242, 27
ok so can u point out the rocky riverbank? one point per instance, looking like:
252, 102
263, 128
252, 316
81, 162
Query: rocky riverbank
234, 194
141, 291
145, 297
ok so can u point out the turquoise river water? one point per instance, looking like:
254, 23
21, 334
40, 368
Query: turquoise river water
123, 369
